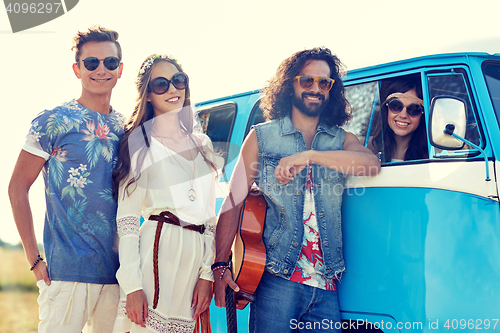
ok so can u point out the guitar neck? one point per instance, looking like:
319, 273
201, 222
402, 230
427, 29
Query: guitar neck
230, 311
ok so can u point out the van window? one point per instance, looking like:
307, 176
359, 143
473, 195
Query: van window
363, 100
256, 117
491, 72
373, 129
454, 84
217, 122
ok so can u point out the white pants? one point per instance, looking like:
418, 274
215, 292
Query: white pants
68, 307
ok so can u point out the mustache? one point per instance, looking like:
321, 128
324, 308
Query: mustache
305, 93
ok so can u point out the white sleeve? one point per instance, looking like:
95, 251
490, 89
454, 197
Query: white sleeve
208, 254
209, 236
208, 150
129, 275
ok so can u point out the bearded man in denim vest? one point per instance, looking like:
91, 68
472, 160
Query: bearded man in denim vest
298, 159
75, 146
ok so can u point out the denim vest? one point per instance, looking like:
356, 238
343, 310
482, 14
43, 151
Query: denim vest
284, 230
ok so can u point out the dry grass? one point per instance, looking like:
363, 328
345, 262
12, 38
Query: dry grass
15, 272
18, 294
19, 312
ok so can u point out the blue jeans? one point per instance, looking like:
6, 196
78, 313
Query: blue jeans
282, 306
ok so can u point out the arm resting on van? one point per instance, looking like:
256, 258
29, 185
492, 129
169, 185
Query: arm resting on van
355, 160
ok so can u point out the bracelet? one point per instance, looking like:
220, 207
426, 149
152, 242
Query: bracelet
224, 268
219, 267
36, 262
218, 264
223, 271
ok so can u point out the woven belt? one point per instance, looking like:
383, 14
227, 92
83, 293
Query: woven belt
170, 218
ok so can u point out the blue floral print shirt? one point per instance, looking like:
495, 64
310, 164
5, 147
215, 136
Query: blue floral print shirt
80, 147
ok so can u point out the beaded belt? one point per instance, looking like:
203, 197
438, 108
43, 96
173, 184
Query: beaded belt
170, 218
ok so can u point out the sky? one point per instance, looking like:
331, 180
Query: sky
226, 47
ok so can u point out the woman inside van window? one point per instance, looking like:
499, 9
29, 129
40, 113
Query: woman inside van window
403, 136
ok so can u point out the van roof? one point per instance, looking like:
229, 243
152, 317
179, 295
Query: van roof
444, 59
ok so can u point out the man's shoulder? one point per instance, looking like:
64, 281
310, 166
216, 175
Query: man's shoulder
332, 129
62, 109
116, 121
74, 112
54, 113
68, 106
117, 114
73, 108
267, 124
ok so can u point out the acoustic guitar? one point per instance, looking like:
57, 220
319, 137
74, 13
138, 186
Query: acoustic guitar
248, 257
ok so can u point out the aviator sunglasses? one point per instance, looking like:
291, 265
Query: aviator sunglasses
160, 85
413, 110
111, 63
306, 82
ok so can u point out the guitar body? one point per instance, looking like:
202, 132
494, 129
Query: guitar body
249, 252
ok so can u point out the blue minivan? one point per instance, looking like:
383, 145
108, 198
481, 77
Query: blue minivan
422, 238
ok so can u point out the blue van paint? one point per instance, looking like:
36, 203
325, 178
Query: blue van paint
421, 239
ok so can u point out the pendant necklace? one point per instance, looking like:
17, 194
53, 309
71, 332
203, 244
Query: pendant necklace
191, 191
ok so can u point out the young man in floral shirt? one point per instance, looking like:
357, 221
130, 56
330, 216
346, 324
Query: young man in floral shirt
76, 146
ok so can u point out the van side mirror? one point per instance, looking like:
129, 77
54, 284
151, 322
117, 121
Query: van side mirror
446, 113
447, 110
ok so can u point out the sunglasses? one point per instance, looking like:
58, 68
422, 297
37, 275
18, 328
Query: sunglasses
111, 63
306, 82
413, 110
160, 85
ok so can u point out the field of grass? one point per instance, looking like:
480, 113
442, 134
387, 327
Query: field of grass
19, 312
15, 271
18, 294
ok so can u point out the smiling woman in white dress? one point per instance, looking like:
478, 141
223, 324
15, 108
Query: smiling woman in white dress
167, 174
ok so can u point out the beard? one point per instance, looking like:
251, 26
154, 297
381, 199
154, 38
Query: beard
314, 110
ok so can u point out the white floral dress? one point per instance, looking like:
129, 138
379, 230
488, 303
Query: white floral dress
184, 255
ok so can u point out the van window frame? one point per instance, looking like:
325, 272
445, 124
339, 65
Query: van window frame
393, 75
212, 108
250, 121
465, 74
495, 105
424, 73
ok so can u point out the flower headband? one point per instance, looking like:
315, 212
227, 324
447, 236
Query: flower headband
148, 63
410, 97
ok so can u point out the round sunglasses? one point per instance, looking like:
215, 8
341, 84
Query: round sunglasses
306, 82
413, 110
160, 85
111, 63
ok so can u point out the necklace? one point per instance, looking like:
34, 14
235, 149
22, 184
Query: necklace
191, 191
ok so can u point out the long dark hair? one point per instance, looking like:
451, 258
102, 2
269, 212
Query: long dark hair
417, 147
277, 100
137, 134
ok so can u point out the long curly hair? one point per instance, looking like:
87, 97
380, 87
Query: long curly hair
143, 112
417, 147
277, 100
